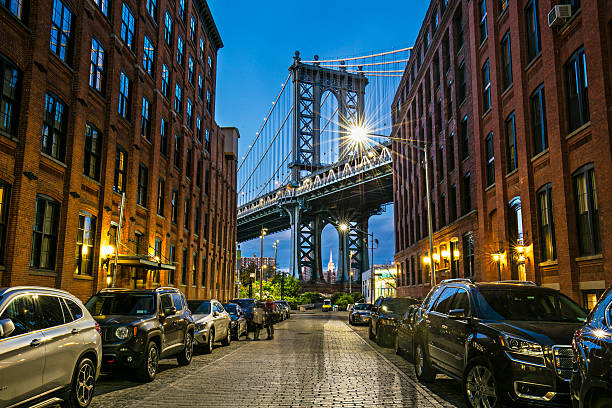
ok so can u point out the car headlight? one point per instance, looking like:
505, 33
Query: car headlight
122, 332
521, 346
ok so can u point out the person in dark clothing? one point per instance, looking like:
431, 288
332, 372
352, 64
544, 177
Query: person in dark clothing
269, 318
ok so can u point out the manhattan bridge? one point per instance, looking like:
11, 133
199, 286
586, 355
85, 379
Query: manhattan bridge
322, 157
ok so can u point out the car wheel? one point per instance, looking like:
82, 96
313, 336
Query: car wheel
479, 385
422, 366
398, 350
370, 334
184, 357
82, 386
150, 361
381, 338
209, 344
227, 339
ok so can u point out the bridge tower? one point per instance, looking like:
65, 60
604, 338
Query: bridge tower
310, 82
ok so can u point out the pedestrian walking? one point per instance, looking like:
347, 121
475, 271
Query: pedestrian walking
270, 305
258, 319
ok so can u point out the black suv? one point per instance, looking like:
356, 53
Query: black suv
141, 326
385, 315
507, 342
591, 384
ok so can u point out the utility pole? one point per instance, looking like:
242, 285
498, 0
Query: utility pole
372, 274
118, 239
429, 217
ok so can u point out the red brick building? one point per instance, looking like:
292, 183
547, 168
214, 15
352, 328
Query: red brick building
101, 98
538, 143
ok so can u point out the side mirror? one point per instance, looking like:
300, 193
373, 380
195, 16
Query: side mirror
169, 311
6, 327
456, 314
215, 313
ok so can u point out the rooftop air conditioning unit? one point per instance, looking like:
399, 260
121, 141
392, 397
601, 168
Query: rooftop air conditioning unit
559, 14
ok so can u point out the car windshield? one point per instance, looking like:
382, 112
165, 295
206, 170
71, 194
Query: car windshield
396, 305
495, 304
327, 302
244, 303
199, 307
128, 304
229, 308
363, 306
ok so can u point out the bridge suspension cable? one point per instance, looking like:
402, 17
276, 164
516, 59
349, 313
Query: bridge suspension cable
369, 64
357, 58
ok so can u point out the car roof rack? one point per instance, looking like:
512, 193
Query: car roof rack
165, 288
517, 282
457, 280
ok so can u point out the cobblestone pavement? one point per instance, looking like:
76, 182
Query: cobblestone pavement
315, 360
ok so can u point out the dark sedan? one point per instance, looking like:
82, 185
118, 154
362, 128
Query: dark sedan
360, 314
386, 312
591, 383
404, 338
238, 324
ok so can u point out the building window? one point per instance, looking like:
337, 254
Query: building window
575, 5
451, 152
86, 238
201, 49
577, 90
452, 203
124, 96
148, 57
461, 82
54, 127
186, 214
4, 203
92, 152
179, 50
190, 73
440, 163
182, 9
468, 255
196, 220
44, 239
206, 182
10, 78
61, 30
208, 102
538, 120
188, 162
533, 30
145, 120
192, 28
210, 66
207, 140
194, 272
199, 173
205, 224
506, 61
168, 29
177, 151
503, 5
96, 69
120, 170
200, 88
458, 25
14, 6
486, 88
587, 212
590, 298
199, 129
172, 260
467, 194
177, 99
165, 77
152, 8
127, 26
203, 276
157, 253
184, 268
465, 138
490, 159
511, 143
143, 182
161, 193
174, 204
189, 117
482, 9
102, 5
548, 247
163, 136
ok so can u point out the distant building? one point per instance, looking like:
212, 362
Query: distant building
257, 261
329, 275
384, 282
306, 273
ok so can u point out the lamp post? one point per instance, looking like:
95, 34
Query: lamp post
344, 228
351, 272
261, 265
359, 135
275, 249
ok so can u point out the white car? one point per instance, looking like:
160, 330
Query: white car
50, 348
212, 323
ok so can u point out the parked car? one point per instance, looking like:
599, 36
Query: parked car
404, 339
285, 308
349, 307
142, 326
507, 342
238, 325
360, 313
50, 348
248, 307
385, 314
591, 383
212, 324
327, 305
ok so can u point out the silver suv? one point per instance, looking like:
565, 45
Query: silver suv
50, 348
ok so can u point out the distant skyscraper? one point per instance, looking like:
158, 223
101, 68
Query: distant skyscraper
330, 274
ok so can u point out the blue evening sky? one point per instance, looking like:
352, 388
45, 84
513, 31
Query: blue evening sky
260, 39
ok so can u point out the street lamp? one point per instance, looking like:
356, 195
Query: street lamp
344, 227
359, 135
351, 271
261, 265
106, 253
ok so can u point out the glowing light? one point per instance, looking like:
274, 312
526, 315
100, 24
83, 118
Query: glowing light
156, 259
496, 257
370, 154
426, 260
109, 280
436, 257
106, 251
358, 134
456, 253
600, 333
445, 254
344, 227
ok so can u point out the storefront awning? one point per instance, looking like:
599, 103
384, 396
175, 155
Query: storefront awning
145, 263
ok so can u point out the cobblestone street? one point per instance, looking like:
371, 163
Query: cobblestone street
315, 360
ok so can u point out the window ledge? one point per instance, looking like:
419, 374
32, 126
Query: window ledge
2, 268
54, 160
537, 156
534, 60
579, 130
486, 113
83, 277
589, 258
512, 173
507, 90
548, 263
141, 207
492, 186
43, 272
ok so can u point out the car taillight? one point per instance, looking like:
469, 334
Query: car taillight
98, 328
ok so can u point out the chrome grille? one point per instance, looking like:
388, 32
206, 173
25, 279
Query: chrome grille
108, 334
563, 361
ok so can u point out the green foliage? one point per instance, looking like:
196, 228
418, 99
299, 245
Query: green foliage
343, 301
272, 288
310, 297
357, 297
